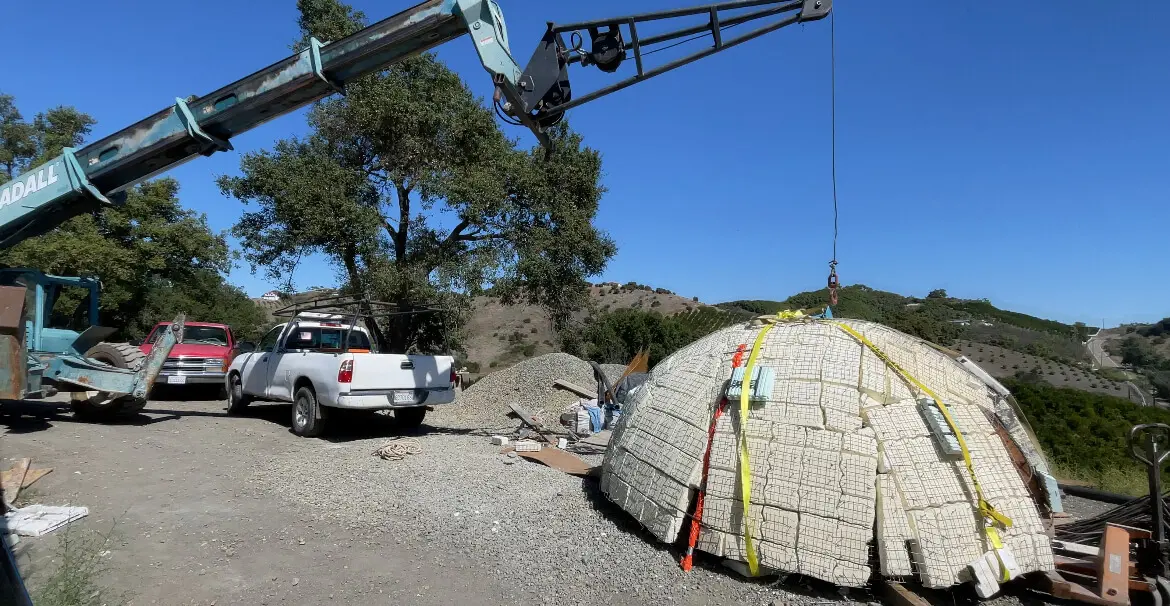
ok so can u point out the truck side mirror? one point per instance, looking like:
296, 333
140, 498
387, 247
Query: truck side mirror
245, 347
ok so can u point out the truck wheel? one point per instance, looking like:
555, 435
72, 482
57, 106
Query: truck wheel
96, 405
306, 414
410, 417
237, 401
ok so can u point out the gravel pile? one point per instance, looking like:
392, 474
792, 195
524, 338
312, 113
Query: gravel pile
613, 371
553, 536
484, 405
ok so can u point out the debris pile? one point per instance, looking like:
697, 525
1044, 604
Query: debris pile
484, 405
840, 438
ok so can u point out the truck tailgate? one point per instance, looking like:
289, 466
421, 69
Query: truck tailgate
375, 372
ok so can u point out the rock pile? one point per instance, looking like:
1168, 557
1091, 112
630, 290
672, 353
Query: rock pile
484, 405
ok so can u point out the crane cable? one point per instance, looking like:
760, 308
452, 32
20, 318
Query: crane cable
834, 282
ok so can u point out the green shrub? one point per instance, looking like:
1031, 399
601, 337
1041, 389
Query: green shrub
1086, 432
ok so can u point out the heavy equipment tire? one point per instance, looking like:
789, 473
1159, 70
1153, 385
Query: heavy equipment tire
118, 355
92, 405
306, 414
410, 417
237, 400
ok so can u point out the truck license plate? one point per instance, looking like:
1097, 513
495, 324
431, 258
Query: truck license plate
177, 380
404, 397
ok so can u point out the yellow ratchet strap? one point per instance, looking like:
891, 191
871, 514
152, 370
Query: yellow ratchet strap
990, 515
745, 468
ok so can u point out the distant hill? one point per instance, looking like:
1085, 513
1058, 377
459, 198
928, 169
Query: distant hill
500, 335
269, 306
1143, 349
943, 320
1004, 342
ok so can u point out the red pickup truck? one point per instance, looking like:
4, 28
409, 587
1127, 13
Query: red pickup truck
202, 358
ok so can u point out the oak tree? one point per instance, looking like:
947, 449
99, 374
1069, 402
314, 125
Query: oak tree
410, 188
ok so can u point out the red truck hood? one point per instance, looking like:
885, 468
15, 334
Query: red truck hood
192, 349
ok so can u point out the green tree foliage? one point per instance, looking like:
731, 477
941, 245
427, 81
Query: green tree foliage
615, 337
1080, 429
154, 259
24, 144
58, 128
1082, 331
985, 310
412, 190
17, 141
935, 319
1160, 379
1141, 354
202, 296
929, 319
1157, 329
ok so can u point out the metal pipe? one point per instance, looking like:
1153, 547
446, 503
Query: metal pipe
678, 12
674, 64
722, 23
1096, 495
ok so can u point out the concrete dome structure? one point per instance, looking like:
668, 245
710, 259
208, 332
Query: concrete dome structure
847, 475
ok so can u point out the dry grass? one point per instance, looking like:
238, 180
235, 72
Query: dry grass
1129, 480
78, 564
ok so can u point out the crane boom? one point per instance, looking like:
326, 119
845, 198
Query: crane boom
83, 180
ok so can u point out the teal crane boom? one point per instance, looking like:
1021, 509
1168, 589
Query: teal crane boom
83, 180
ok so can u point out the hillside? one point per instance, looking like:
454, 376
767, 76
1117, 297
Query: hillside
1143, 349
1150, 339
1005, 343
501, 335
944, 320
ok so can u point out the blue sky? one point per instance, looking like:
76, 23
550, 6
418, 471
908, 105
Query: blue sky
1016, 153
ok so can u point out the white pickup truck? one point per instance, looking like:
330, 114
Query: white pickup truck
305, 362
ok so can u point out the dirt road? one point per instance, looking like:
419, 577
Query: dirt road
211, 509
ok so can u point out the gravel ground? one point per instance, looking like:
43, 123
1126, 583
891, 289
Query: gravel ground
217, 509
1080, 508
553, 534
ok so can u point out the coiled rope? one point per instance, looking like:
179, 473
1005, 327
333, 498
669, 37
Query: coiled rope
398, 448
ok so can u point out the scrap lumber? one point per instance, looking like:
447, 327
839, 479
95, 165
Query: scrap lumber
560, 460
901, 595
577, 389
529, 421
33, 475
13, 479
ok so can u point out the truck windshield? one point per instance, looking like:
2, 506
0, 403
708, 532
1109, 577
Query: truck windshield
316, 337
200, 335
